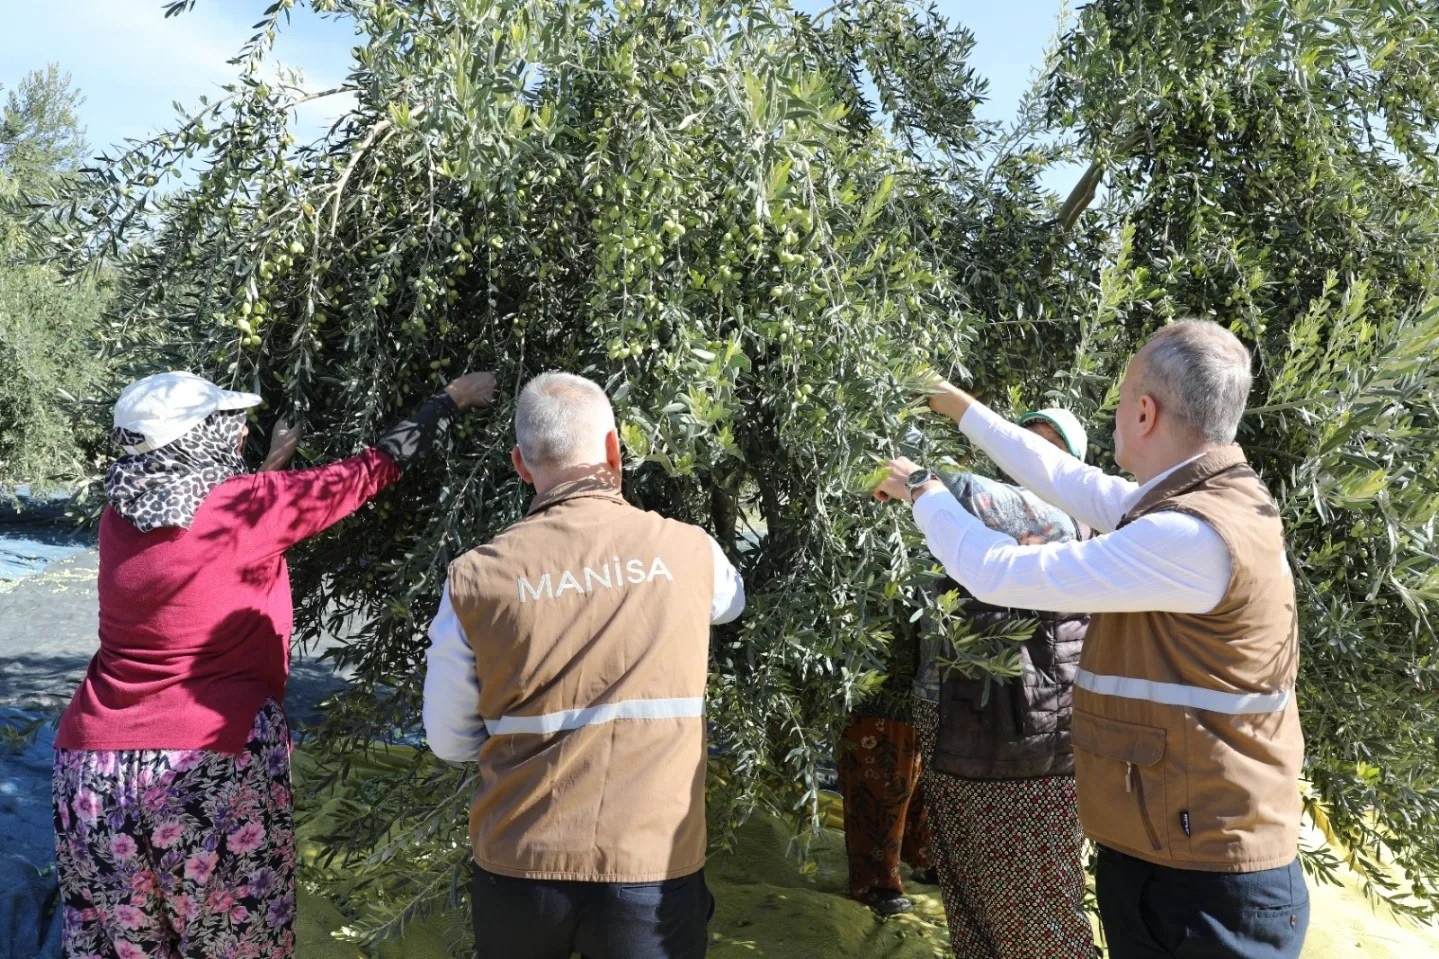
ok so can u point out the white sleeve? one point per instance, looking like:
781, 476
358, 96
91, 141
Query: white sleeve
1163, 562
453, 726
1090, 495
728, 600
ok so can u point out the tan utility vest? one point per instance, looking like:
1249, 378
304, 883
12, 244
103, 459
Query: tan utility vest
1186, 735
590, 623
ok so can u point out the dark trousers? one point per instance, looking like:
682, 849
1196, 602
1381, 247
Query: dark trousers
542, 919
1156, 912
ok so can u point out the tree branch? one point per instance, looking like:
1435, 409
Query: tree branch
724, 514
1083, 193
319, 96
1081, 196
365, 144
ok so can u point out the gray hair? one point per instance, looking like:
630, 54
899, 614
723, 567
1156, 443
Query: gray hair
1201, 371
560, 419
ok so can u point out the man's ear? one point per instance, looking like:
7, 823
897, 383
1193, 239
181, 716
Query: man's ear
613, 456
520, 467
1147, 417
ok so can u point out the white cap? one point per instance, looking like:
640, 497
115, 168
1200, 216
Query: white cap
1066, 424
165, 406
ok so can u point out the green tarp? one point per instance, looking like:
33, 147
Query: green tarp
769, 906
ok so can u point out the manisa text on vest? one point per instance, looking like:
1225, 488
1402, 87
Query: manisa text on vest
611, 575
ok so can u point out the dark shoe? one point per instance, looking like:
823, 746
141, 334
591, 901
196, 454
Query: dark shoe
925, 877
887, 903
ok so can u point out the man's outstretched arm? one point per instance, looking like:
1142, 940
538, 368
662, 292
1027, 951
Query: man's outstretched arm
1088, 494
1167, 561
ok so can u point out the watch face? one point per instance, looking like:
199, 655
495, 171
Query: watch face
918, 478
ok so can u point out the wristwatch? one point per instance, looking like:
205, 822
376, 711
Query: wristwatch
915, 480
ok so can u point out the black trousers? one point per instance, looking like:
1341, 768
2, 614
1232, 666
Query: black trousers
542, 919
1156, 912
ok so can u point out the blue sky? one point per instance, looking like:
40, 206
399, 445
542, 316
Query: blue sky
131, 63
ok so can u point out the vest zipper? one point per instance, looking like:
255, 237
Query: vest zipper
1131, 785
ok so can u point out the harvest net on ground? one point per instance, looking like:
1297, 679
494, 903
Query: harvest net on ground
768, 904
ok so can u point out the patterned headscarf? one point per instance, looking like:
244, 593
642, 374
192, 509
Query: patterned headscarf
165, 487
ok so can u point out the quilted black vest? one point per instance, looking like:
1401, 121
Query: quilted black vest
1015, 728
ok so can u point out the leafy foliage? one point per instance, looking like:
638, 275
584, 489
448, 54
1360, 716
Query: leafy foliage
47, 327
40, 132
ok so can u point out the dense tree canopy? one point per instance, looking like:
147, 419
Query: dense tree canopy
40, 131
760, 229
47, 327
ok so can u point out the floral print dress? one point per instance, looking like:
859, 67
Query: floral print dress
178, 853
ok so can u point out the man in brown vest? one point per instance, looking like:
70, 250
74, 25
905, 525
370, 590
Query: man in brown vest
569, 658
1187, 747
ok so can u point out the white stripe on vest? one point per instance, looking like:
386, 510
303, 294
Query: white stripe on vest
596, 715
1177, 694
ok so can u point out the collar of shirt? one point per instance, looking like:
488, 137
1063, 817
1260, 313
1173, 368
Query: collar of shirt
1139, 492
585, 486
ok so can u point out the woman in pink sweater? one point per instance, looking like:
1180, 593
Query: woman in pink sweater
173, 814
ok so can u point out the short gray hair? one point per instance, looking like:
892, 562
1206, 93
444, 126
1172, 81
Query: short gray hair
1201, 371
560, 418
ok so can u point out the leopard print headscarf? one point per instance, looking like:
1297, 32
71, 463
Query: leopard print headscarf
165, 487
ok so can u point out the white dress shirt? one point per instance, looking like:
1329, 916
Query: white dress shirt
453, 725
1161, 562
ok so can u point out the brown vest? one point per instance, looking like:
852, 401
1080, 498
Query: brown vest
1187, 743
590, 624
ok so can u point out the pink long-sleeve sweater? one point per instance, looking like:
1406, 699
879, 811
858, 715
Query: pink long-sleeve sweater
195, 623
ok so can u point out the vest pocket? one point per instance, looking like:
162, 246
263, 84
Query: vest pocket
1121, 793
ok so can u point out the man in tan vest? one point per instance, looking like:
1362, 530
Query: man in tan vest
1187, 746
569, 658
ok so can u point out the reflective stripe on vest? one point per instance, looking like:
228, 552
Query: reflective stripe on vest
596, 715
1178, 694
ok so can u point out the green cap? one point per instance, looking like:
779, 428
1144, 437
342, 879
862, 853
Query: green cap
1066, 424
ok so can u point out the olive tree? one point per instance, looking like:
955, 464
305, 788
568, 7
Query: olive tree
724, 213
48, 328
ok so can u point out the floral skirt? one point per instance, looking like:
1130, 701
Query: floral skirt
166, 854
1010, 859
